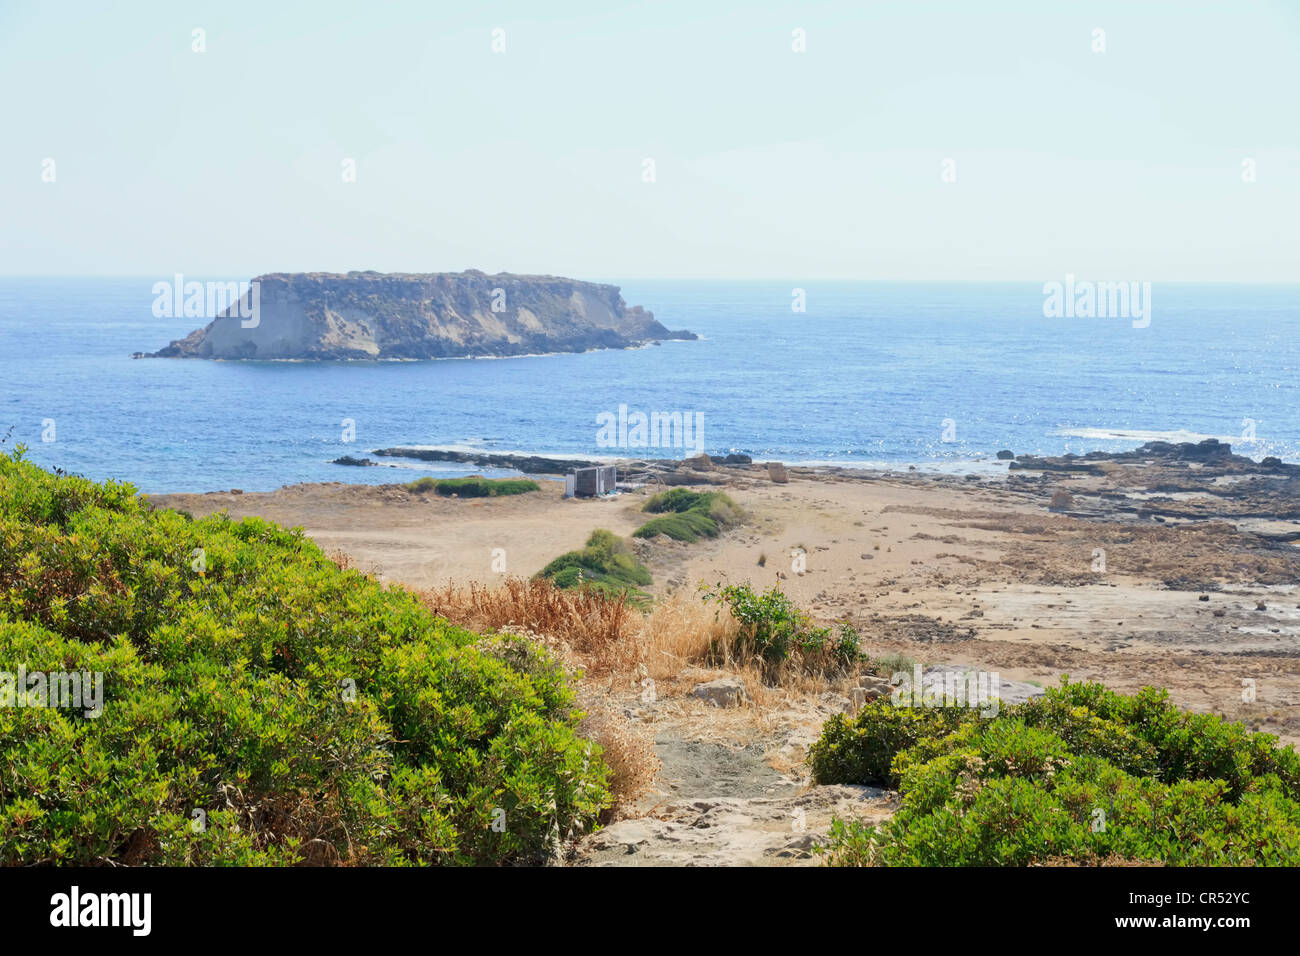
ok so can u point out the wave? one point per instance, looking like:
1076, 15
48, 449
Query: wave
1141, 435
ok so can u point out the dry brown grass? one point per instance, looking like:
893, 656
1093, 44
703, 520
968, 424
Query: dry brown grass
628, 751
682, 631
607, 637
603, 635
675, 644
595, 629
345, 562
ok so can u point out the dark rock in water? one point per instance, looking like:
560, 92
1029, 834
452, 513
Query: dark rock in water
1209, 457
349, 460
1211, 449
1006, 455
1064, 463
372, 316
734, 459
528, 464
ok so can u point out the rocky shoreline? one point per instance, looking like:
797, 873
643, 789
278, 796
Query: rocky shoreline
1159, 480
671, 471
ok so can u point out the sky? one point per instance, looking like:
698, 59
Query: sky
907, 140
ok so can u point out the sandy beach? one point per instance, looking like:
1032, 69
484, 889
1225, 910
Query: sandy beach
1189, 589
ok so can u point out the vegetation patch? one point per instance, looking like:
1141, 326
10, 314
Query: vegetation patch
474, 487
686, 515
775, 633
1080, 775
605, 565
260, 705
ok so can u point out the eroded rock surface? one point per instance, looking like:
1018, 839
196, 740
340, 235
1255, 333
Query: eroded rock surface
371, 315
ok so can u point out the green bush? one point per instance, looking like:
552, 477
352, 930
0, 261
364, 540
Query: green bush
687, 515
861, 749
774, 632
261, 706
606, 564
1080, 775
474, 487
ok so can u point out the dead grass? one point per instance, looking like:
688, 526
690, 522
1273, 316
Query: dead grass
675, 644
596, 630
605, 636
608, 638
345, 562
682, 631
628, 751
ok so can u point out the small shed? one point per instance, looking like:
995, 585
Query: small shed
591, 482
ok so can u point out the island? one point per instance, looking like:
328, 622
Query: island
378, 316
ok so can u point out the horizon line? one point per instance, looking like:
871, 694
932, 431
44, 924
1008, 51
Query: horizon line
614, 280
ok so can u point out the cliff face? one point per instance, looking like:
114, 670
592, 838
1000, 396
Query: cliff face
369, 315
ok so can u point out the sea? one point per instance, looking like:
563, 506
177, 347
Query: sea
897, 375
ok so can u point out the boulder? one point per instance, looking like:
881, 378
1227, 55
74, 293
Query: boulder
776, 471
1006, 455
874, 686
869, 688
1062, 500
724, 692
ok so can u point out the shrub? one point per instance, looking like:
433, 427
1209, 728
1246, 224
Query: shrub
606, 565
687, 515
774, 632
302, 712
474, 487
861, 749
1080, 775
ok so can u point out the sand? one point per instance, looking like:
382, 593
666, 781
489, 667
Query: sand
1151, 575
945, 570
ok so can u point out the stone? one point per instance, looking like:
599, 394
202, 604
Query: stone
1062, 500
776, 471
724, 692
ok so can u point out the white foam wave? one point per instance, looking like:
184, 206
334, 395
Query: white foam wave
1141, 435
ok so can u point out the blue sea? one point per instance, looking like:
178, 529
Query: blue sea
936, 375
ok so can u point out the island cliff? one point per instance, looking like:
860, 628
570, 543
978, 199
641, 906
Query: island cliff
371, 315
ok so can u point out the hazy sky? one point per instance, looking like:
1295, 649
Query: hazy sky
768, 163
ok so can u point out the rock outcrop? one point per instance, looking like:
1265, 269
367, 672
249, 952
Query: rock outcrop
370, 315
528, 464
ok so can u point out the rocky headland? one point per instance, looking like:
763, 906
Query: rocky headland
376, 316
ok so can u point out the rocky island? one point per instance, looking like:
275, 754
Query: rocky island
375, 316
